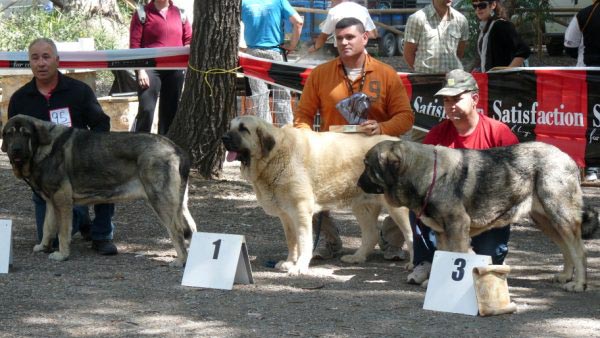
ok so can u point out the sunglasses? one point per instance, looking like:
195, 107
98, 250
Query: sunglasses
481, 5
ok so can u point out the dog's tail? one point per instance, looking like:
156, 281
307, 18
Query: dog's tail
590, 224
184, 165
189, 225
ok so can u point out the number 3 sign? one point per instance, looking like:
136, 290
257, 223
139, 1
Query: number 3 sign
451, 287
216, 261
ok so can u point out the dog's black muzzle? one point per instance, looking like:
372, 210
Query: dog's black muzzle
227, 140
368, 186
231, 141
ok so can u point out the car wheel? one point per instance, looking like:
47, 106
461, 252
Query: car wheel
387, 45
400, 41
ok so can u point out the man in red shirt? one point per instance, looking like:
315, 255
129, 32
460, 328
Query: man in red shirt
464, 128
158, 24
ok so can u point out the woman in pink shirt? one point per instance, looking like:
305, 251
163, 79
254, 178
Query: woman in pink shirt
158, 24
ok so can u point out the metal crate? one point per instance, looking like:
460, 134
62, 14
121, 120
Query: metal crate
275, 106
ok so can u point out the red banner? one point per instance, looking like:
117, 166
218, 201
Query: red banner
560, 106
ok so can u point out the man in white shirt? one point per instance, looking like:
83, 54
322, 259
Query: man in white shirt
343, 9
574, 42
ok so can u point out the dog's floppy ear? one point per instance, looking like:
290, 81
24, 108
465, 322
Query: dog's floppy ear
266, 140
389, 163
42, 133
4, 143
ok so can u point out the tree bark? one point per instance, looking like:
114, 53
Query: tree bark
208, 100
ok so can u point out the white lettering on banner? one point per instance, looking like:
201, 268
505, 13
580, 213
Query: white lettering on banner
431, 108
596, 112
519, 130
593, 138
556, 117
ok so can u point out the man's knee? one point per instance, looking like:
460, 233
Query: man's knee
323, 223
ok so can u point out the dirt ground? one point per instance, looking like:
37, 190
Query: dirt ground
136, 293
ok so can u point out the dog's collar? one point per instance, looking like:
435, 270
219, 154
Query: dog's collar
428, 195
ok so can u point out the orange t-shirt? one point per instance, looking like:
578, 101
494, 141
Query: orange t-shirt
326, 86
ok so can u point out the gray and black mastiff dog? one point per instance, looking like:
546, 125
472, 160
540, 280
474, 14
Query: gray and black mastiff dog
69, 166
461, 193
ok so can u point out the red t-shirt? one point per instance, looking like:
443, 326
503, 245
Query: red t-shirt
158, 31
489, 133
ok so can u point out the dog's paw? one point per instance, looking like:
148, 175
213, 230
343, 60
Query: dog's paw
57, 256
563, 278
574, 287
425, 283
284, 265
353, 259
297, 270
177, 263
409, 266
40, 248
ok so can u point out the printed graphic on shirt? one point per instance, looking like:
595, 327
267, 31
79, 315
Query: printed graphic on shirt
61, 116
374, 87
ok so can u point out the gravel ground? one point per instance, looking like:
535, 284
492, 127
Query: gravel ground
137, 294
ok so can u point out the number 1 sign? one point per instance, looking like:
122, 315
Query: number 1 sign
216, 261
451, 287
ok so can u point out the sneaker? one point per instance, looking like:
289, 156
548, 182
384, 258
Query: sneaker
591, 177
327, 250
104, 247
391, 241
419, 274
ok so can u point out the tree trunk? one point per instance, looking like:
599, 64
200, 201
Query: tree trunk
208, 100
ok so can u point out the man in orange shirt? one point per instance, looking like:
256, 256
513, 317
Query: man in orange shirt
353, 71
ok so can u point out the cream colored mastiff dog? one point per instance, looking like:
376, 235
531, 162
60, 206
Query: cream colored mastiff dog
296, 173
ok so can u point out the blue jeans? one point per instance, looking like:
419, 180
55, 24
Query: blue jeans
101, 228
492, 243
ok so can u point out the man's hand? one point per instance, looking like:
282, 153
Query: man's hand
288, 47
371, 127
319, 42
143, 79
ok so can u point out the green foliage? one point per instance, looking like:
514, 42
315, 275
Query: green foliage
24, 25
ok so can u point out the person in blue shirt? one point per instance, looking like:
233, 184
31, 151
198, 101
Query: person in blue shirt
264, 36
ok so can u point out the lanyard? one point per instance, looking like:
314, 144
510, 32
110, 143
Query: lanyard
362, 80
